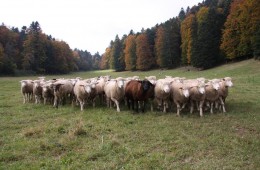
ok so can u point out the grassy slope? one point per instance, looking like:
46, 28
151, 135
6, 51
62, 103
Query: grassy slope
37, 136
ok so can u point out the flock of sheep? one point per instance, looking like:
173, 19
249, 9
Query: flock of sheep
136, 93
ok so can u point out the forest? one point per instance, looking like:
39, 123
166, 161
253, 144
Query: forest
30, 51
203, 36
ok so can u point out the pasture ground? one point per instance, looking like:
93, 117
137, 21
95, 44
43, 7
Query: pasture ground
42, 137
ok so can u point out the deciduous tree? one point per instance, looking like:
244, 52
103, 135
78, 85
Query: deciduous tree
143, 53
130, 53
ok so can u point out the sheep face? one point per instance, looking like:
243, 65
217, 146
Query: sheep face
74, 81
120, 83
93, 85
44, 89
228, 82
166, 87
87, 88
215, 85
146, 85
23, 83
37, 85
201, 89
185, 91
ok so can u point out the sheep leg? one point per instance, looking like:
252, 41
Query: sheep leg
211, 107
94, 102
143, 104
207, 106
56, 101
108, 102
159, 103
191, 107
216, 104
222, 104
24, 98
82, 105
201, 108
151, 103
178, 108
44, 100
137, 105
197, 104
27, 97
167, 105
117, 104
36, 99
183, 106
30, 97
164, 106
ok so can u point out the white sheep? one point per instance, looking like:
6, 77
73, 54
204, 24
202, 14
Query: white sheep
114, 90
225, 83
82, 91
62, 90
47, 92
212, 93
162, 91
27, 90
100, 87
37, 90
197, 94
180, 95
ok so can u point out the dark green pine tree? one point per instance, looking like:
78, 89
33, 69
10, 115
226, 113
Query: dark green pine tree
171, 46
182, 15
206, 48
96, 60
175, 43
21, 39
116, 52
35, 47
151, 33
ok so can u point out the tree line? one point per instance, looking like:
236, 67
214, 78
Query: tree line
31, 51
203, 36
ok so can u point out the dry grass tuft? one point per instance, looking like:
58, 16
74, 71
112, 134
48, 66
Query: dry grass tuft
78, 129
33, 132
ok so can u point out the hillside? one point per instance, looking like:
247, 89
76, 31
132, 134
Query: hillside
42, 137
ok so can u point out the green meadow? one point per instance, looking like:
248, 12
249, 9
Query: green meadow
42, 137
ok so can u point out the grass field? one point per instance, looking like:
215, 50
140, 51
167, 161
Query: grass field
42, 137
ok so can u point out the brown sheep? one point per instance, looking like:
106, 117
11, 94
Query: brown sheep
138, 91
